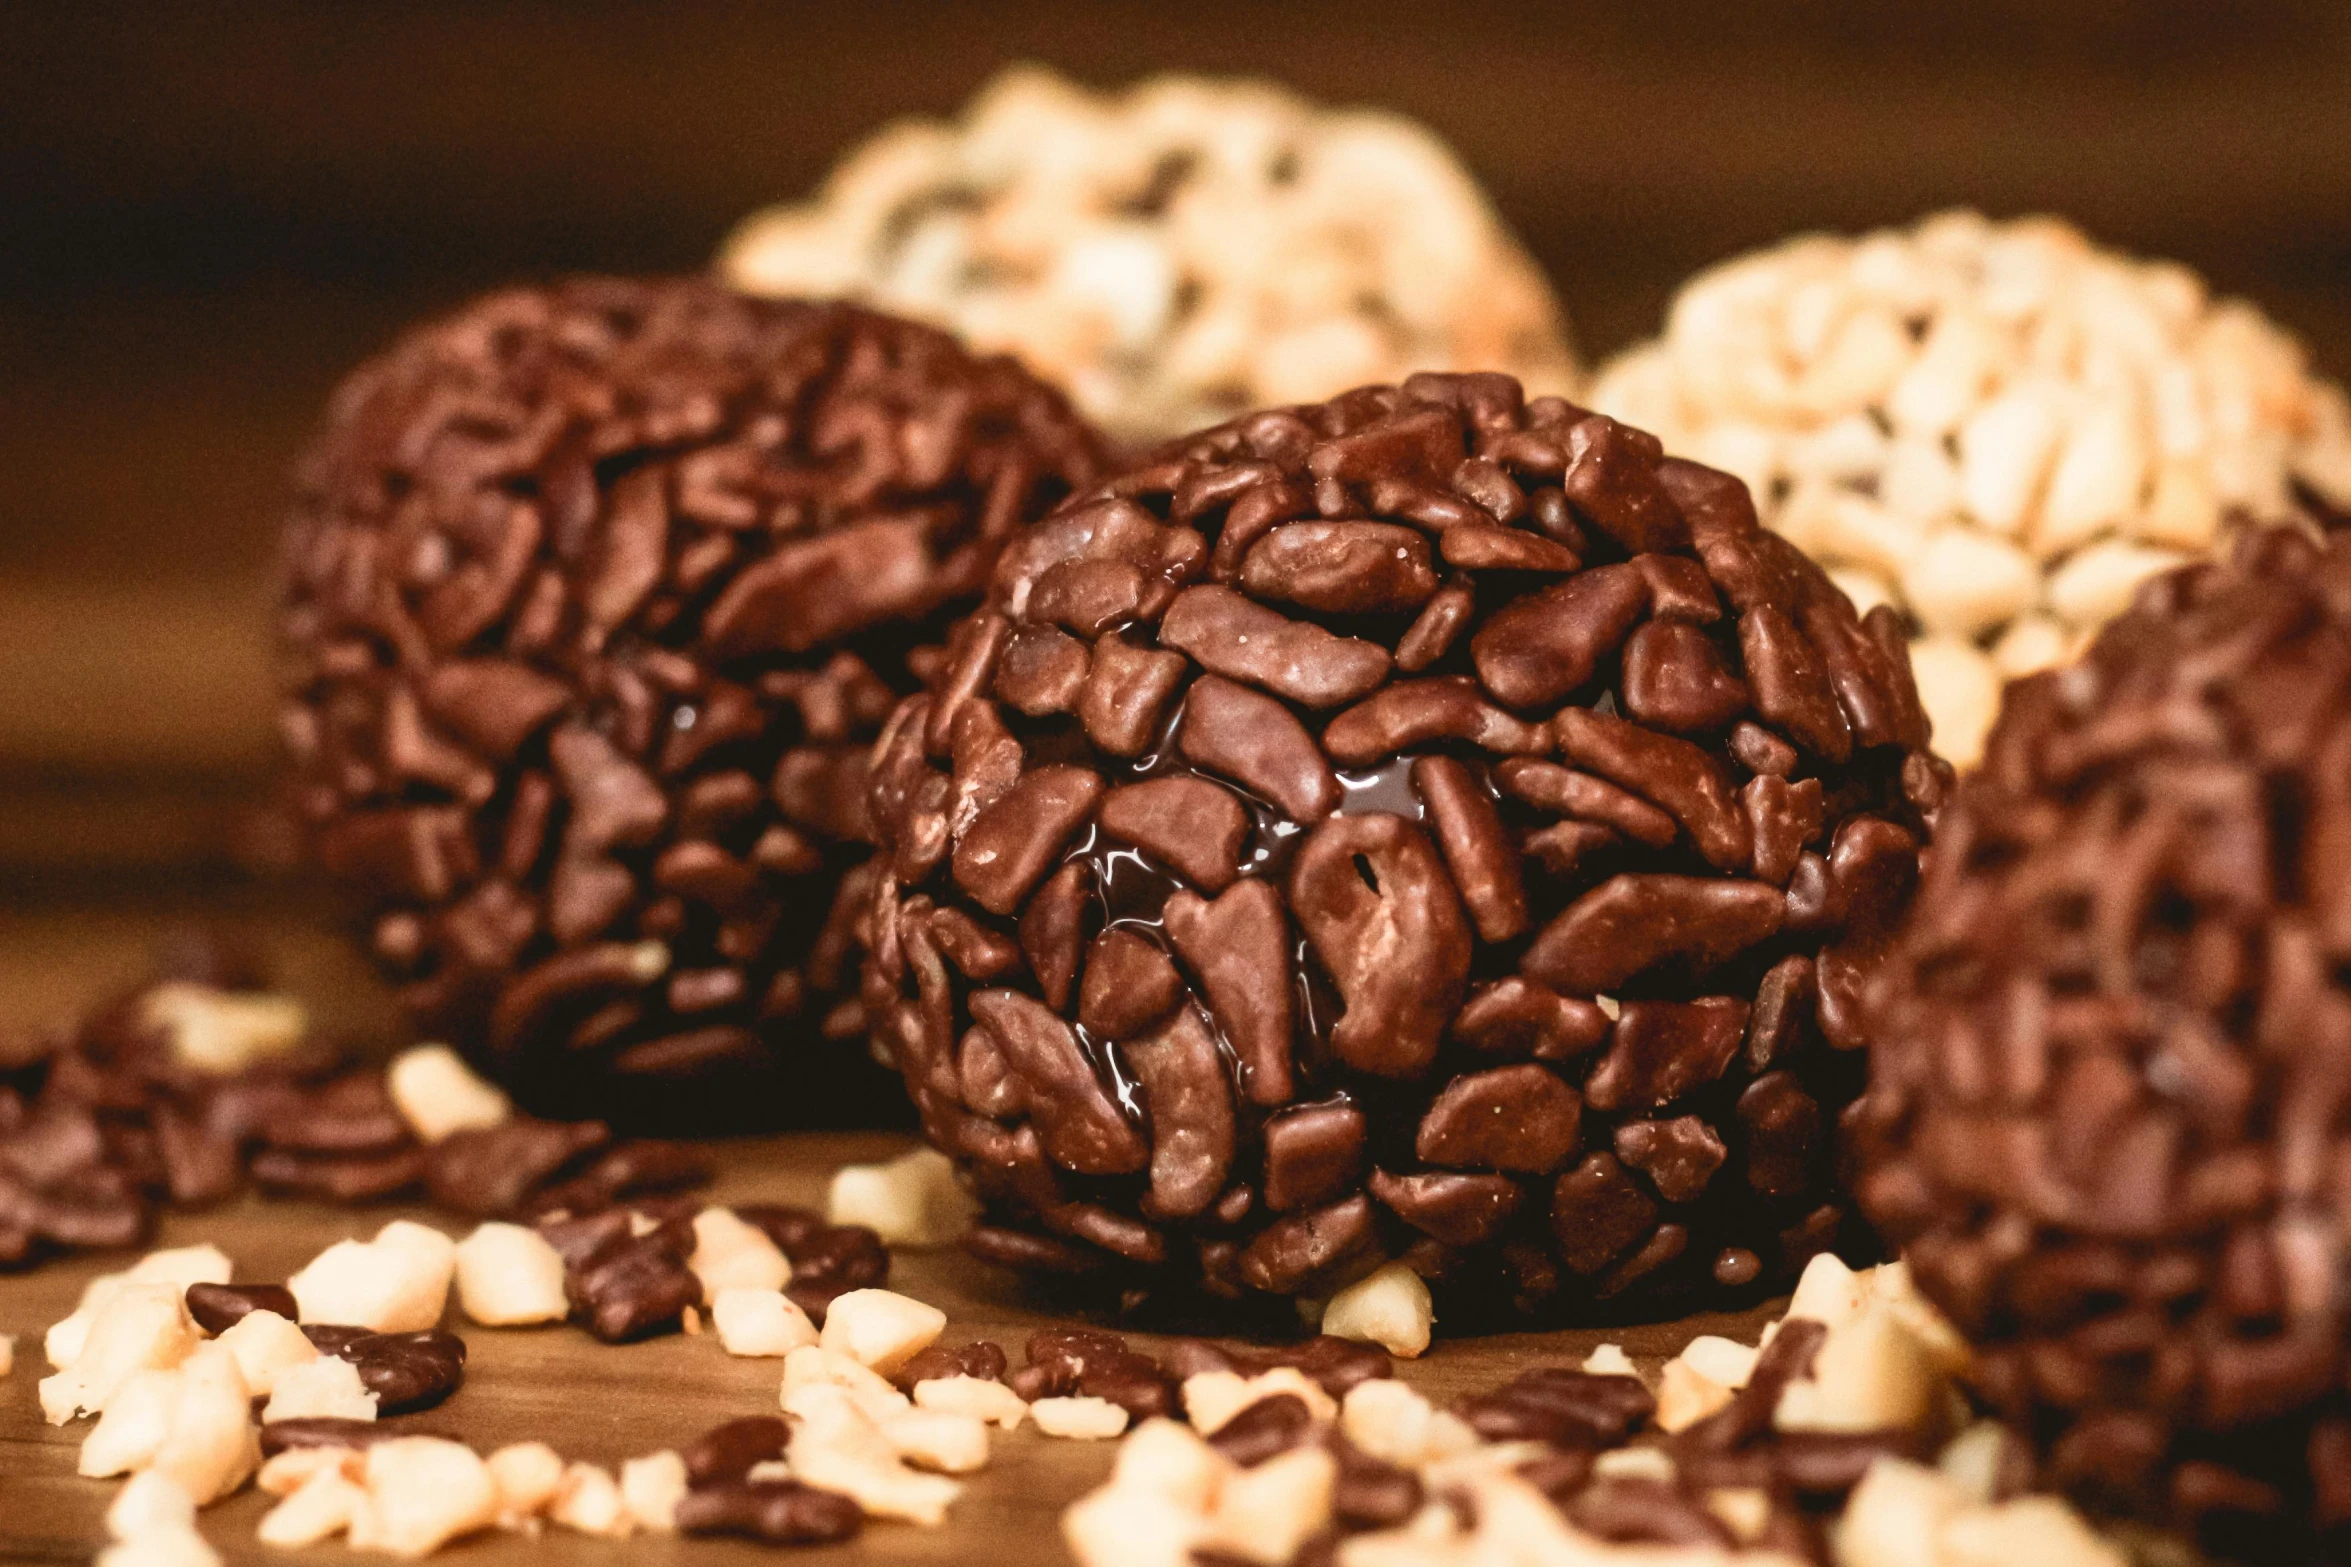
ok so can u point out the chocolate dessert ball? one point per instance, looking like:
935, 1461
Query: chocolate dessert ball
1425, 824
2114, 1046
597, 595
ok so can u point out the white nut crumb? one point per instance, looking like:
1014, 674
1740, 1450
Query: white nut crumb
438, 1095
1635, 1463
422, 1492
1119, 1526
912, 1200
149, 1502
760, 1322
325, 1388
1266, 1513
527, 1476
837, 1447
1870, 1374
223, 1031
131, 1431
286, 1472
815, 1366
212, 1447
323, 1507
182, 1547
1080, 1419
179, 1266
881, 1329
1213, 1397
2042, 1530
652, 1487
266, 1346
1686, 1395
1745, 1510
977, 1397
396, 1283
1170, 1459
508, 1276
1973, 1459
731, 1254
141, 1326
1390, 1308
1610, 1360
1894, 1515
1394, 1423
939, 1441
589, 1502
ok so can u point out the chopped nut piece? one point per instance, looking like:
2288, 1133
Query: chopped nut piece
1390, 1308
1894, 1515
179, 1266
974, 1396
881, 1329
1121, 1526
589, 1501
320, 1509
1213, 1397
1170, 1459
1394, 1424
1869, 1375
2041, 1530
912, 1200
284, 1473
1635, 1463
396, 1283
508, 1276
837, 1447
1082, 1419
527, 1476
223, 1031
437, 1094
1686, 1395
936, 1440
1610, 1360
732, 1254
174, 1547
652, 1487
422, 1492
815, 1366
760, 1322
1265, 1514
327, 1387
141, 1326
149, 1502
210, 1447
266, 1346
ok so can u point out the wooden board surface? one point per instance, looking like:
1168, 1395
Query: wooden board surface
556, 1384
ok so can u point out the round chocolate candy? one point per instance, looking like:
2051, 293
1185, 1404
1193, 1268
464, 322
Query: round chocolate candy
597, 595
1428, 823
2105, 1118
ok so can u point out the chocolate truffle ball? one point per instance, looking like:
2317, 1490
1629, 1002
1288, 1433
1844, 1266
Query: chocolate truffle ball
2113, 1047
1174, 253
597, 596
1430, 823
2001, 428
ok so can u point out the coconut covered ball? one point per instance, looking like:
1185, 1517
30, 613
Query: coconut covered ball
1175, 253
596, 597
1428, 825
2113, 1049
2000, 429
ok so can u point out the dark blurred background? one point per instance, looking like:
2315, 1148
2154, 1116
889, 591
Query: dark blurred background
208, 212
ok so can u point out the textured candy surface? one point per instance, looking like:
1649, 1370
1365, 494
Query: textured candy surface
597, 594
1427, 823
2105, 1119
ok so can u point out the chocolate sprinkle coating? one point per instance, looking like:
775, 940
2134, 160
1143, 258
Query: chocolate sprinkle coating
1430, 823
2105, 1115
597, 594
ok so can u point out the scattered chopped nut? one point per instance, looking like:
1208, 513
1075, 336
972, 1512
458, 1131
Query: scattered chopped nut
936, 1440
508, 1276
815, 1366
327, 1387
977, 1397
321, 1508
1393, 1423
210, 1447
1082, 1419
1123, 1526
137, 1326
437, 1094
284, 1473
881, 1329
652, 1487
527, 1475
760, 1322
912, 1200
396, 1283
1686, 1395
422, 1492
1265, 1514
179, 1266
266, 1346
731, 1254
837, 1447
1213, 1397
222, 1031
1390, 1308
589, 1501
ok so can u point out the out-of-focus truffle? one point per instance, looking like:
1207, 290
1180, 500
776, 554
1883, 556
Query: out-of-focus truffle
1998, 428
2113, 1045
1430, 824
597, 595
1176, 253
